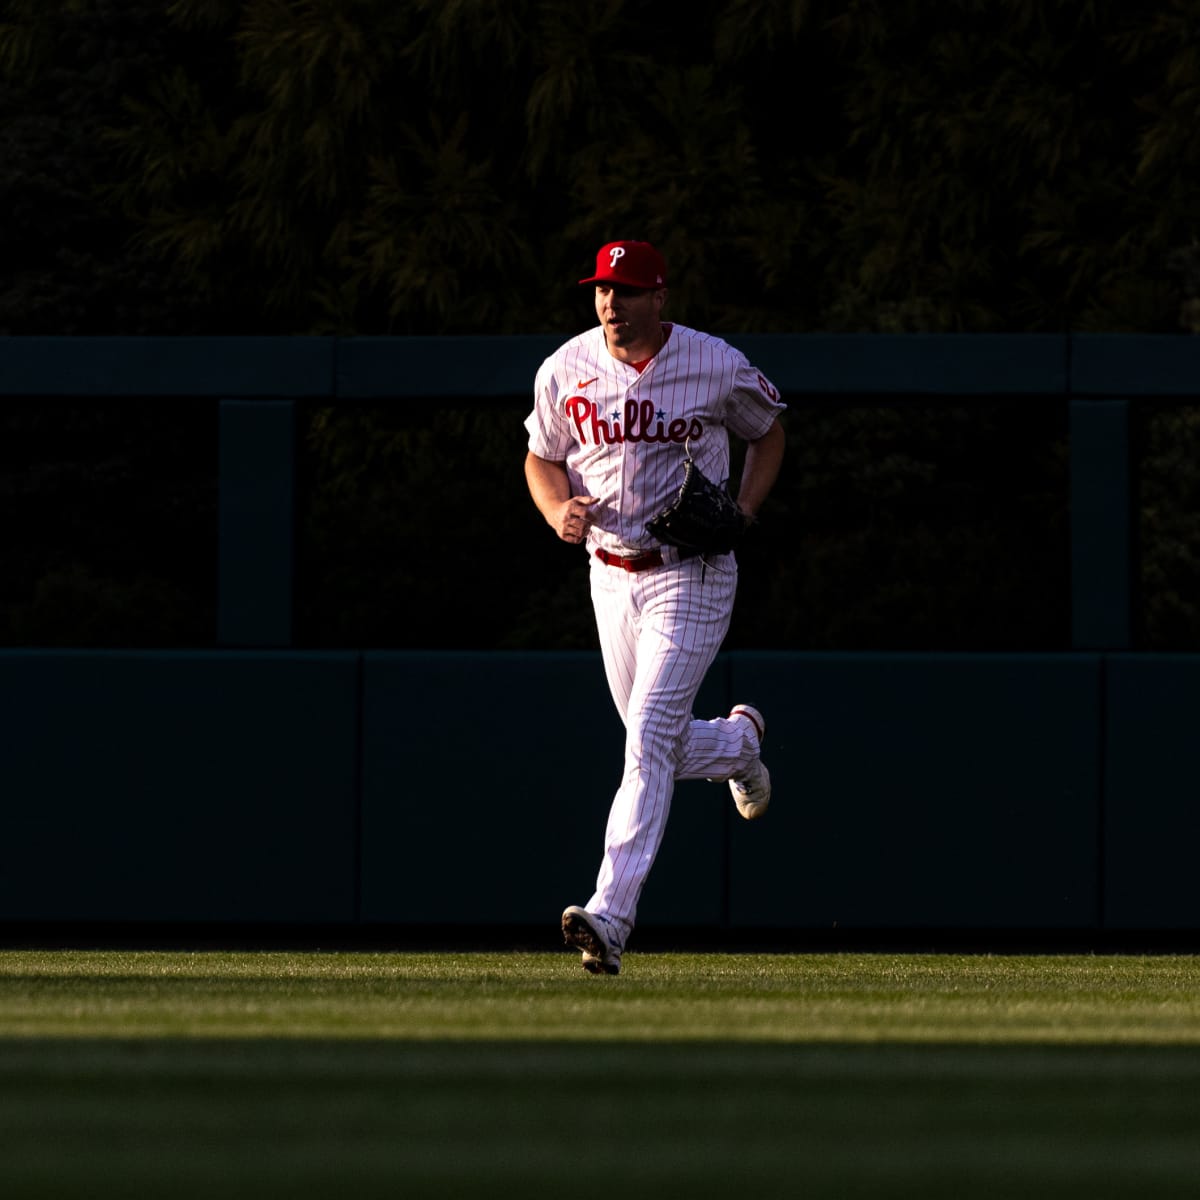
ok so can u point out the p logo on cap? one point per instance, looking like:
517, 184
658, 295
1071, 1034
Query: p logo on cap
635, 264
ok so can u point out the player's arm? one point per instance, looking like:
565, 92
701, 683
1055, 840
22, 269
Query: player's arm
764, 456
550, 488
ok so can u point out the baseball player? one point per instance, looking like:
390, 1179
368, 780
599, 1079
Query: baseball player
617, 410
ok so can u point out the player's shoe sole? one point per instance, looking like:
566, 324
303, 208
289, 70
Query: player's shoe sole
584, 932
752, 791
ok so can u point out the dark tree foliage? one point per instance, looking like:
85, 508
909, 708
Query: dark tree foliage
447, 166
73, 263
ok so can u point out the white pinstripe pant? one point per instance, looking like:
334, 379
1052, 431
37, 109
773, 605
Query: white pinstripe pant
659, 633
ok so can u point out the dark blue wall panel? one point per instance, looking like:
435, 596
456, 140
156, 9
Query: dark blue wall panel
381, 367
1152, 789
167, 366
177, 787
1131, 364
487, 781
922, 791
915, 364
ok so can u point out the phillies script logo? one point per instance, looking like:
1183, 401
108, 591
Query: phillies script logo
638, 423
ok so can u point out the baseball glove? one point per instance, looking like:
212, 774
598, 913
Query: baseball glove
702, 517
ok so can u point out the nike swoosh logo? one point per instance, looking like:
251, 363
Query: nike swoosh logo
584, 382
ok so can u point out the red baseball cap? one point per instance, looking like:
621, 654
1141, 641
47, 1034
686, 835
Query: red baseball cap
635, 264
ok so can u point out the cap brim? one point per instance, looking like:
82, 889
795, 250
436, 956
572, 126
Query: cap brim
633, 283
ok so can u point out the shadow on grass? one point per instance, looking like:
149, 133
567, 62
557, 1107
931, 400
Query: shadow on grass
342, 1118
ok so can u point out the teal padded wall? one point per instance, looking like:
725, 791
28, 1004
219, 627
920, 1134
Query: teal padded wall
486, 786
1152, 786
967, 791
1052, 792
483, 780
176, 786
952, 791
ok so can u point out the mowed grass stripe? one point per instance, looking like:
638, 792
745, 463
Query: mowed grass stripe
842, 998
697, 1076
292, 1118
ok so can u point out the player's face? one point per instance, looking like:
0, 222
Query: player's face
630, 316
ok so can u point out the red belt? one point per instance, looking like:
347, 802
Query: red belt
639, 562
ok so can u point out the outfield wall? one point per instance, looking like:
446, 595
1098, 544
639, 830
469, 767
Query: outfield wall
257, 783
973, 792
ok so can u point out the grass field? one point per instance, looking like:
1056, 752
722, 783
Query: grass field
701, 1075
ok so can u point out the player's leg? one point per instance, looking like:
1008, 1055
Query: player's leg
720, 749
590, 930
729, 749
617, 620
678, 618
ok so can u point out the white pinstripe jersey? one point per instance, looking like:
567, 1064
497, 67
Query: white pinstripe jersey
622, 435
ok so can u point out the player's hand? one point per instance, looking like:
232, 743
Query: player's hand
574, 520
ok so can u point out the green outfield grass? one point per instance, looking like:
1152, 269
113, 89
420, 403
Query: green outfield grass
701, 1075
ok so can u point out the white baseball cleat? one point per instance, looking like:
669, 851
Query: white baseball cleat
587, 932
752, 791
